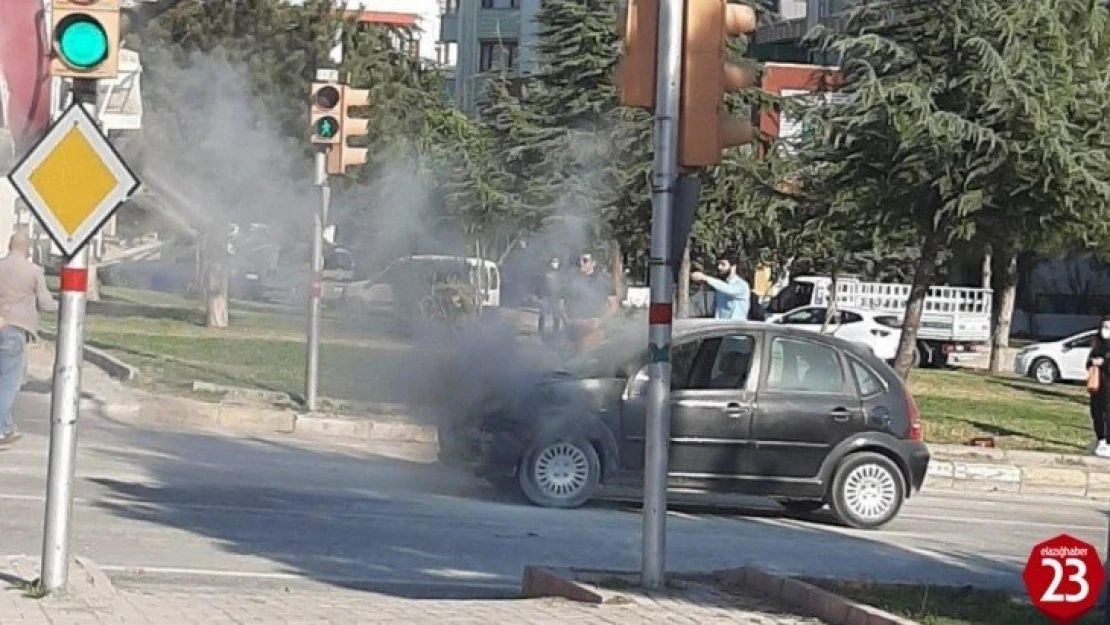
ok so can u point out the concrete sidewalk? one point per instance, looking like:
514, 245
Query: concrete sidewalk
103, 604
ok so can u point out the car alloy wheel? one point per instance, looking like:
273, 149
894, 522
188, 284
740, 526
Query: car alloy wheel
561, 474
561, 470
868, 491
1044, 371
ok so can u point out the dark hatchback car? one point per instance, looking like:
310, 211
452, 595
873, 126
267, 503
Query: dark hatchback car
804, 418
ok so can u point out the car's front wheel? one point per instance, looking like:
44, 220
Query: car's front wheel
1045, 371
868, 491
560, 474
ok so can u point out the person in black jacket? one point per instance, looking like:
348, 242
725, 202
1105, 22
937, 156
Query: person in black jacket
1100, 399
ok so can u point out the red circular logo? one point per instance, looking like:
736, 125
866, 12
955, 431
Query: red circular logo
1064, 578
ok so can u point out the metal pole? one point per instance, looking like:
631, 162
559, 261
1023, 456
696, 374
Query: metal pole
65, 400
663, 192
312, 373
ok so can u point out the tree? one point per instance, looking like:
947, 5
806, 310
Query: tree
924, 140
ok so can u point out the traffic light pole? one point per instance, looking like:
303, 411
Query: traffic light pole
65, 400
316, 267
664, 187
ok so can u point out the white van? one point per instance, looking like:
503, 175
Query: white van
404, 277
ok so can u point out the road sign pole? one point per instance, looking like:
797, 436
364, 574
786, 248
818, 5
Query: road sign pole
65, 404
663, 189
316, 267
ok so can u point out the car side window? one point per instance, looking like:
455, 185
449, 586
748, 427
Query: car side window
682, 363
1083, 342
849, 317
724, 363
807, 316
867, 381
804, 366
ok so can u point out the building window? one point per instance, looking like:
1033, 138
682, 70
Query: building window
500, 4
499, 54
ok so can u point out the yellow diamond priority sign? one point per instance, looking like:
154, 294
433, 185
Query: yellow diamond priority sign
73, 180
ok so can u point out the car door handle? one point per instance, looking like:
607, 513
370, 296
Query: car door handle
735, 409
841, 414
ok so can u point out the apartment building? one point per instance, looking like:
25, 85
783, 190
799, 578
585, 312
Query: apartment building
481, 35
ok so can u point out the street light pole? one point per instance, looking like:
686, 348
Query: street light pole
664, 191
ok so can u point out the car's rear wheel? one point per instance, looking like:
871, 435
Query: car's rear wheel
1045, 371
868, 491
560, 474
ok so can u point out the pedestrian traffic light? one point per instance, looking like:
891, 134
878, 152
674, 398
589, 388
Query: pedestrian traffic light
639, 25
324, 111
705, 127
86, 39
343, 155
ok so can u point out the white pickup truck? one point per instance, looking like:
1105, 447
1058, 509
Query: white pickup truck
955, 319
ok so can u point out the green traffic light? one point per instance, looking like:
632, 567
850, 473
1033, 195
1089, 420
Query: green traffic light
327, 127
82, 42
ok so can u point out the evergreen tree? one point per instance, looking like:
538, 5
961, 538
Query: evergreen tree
925, 139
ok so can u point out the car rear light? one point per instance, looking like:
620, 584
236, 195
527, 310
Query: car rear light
915, 433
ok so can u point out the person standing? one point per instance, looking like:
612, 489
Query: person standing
732, 299
551, 293
23, 295
588, 298
1098, 367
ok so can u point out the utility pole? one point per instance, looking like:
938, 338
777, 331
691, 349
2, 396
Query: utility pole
675, 64
316, 268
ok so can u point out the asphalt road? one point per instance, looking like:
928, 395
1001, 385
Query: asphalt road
214, 509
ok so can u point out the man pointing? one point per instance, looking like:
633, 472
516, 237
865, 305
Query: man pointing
23, 295
733, 295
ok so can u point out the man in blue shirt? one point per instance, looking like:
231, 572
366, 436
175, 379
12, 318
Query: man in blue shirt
733, 295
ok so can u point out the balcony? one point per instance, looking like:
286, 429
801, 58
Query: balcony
492, 24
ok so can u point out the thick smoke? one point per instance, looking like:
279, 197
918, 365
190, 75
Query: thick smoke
214, 149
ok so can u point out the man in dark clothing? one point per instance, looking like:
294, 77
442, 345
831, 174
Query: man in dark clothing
588, 298
551, 294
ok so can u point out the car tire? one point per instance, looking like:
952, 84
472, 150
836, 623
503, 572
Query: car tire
802, 506
868, 491
1044, 371
560, 473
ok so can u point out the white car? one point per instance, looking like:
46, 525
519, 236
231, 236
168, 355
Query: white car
876, 330
1063, 360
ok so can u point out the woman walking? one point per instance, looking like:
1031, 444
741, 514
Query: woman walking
1098, 378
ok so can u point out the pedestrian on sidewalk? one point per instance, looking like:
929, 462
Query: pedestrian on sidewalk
733, 295
588, 299
23, 295
1098, 367
551, 298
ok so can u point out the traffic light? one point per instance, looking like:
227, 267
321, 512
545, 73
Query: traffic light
636, 71
343, 155
705, 127
86, 39
324, 112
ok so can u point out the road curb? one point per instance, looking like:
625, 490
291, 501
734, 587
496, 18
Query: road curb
86, 579
101, 359
828, 606
1015, 471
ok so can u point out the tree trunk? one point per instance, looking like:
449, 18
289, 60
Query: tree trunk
830, 309
216, 281
987, 261
94, 281
922, 278
616, 266
1005, 290
682, 299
